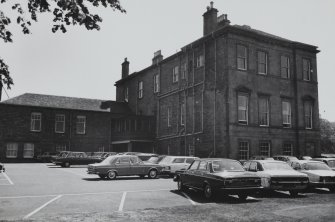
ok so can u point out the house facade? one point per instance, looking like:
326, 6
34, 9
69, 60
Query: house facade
235, 92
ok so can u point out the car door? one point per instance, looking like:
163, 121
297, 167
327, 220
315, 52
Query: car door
137, 167
200, 175
189, 174
178, 163
123, 166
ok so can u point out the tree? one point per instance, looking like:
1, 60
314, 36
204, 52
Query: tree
327, 132
65, 13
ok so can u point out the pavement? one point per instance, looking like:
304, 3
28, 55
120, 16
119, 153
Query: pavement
33, 191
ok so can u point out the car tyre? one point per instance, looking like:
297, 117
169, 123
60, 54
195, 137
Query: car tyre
111, 175
293, 193
180, 185
152, 174
102, 176
67, 164
208, 192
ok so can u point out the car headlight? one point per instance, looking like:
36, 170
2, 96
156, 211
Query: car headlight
265, 181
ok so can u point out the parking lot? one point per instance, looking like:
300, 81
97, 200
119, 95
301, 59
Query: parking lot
39, 191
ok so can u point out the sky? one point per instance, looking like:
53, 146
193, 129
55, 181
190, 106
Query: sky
86, 64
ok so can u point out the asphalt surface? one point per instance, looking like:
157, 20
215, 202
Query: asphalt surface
34, 191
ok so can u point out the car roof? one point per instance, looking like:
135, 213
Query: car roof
306, 161
267, 161
212, 159
322, 158
182, 157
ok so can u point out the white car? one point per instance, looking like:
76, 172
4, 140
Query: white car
319, 173
171, 164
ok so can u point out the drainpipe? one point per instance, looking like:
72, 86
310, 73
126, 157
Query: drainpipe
295, 78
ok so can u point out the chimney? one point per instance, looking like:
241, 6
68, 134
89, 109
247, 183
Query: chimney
223, 20
157, 57
125, 68
210, 19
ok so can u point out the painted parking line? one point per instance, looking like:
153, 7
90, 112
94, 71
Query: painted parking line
41, 207
6, 178
192, 202
122, 201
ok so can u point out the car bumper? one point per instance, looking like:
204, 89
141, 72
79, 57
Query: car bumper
321, 184
288, 186
239, 190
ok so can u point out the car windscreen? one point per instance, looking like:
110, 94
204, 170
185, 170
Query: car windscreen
153, 159
166, 159
316, 166
226, 165
108, 160
276, 166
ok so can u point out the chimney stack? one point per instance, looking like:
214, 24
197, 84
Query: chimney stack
223, 20
125, 68
210, 19
157, 57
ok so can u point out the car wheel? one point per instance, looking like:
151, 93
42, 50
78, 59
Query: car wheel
102, 176
111, 175
66, 164
152, 174
242, 196
293, 193
208, 192
180, 185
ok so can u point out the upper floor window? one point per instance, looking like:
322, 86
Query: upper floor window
200, 61
11, 151
28, 150
288, 149
244, 150
263, 109
175, 74
243, 101
182, 114
286, 114
183, 70
36, 122
126, 93
81, 125
241, 57
308, 109
156, 83
262, 62
285, 67
306, 69
169, 115
60, 123
264, 148
140, 89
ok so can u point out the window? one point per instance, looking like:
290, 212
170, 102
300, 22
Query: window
169, 114
241, 57
11, 151
179, 160
28, 150
183, 71
175, 74
140, 90
182, 114
242, 109
200, 61
81, 124
263, 106
306, 69
264, 148
126, 93
60, 123
288, 149
244, 150
203, 166
36, 122
195, 165
262, 62
308, 109
123, 160
60, 147
156, 83
285, 67
286, 114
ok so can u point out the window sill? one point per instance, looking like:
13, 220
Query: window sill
36, 131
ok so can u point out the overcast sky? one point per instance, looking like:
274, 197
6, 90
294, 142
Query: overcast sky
86, 64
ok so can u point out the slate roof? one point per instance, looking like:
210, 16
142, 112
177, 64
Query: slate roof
62, 102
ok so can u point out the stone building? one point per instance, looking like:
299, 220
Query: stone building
235, 92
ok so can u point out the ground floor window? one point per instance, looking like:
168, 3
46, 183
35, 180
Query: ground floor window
101, 149
264, 148
11, 151
28, 150
244, 150
60, 147
288, 149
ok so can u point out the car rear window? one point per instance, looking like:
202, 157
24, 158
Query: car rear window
331, 163
189, 160
179, 160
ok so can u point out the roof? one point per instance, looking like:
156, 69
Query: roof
61, 102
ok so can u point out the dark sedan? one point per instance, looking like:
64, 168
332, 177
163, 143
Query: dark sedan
124, 165
212, 175
75, 158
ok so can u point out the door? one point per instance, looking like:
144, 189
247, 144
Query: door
177, 164
200, 175
123, 166
137, 166
189, 175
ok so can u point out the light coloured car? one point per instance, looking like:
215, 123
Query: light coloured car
329, 161
171, 164
278, 175
287, 159
319, 173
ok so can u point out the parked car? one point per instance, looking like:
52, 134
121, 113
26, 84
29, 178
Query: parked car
47, 156
287, 159
319, 173
327, 155
261, 158
75, 158
329, 161
146, 156
171, 164
156, 159
278, 175
124, 165
2, 167
214, 174
305, 158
